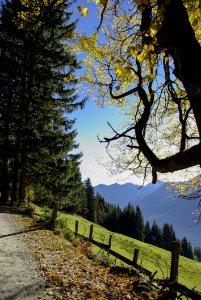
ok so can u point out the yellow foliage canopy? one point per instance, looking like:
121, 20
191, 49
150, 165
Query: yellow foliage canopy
128, 65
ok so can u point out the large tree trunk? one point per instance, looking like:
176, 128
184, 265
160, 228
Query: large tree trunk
5, 165
4, 181
15, 180
23, 176
178, 37
55, 210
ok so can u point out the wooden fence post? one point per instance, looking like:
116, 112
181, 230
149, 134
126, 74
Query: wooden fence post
135, 256
91, 232
174, 261
76, 228
110, 242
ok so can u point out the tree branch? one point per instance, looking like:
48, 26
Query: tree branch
117, 97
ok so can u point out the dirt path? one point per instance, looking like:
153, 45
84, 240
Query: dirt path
62, 270
19, 272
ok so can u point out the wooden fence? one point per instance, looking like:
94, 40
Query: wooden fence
172, 282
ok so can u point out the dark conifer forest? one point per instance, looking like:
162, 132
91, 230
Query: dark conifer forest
37, 136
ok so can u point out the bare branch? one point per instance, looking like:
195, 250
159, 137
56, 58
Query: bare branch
102, 16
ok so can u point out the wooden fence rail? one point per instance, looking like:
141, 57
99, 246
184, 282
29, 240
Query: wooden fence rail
172, 282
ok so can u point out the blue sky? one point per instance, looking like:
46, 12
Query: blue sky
92, 121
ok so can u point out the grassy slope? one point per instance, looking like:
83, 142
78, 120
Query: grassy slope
150, 257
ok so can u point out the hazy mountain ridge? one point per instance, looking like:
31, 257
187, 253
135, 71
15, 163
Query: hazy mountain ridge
122, 194
156, 203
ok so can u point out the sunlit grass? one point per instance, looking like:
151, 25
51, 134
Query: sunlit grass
150, 257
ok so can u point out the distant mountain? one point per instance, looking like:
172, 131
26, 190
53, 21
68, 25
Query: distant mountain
156, 203
122, 194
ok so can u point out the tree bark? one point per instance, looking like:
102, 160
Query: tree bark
23, 176
55, 210
177, 36
14, 195
4, 181
5, 166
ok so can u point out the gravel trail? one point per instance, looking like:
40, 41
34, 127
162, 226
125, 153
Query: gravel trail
19, 272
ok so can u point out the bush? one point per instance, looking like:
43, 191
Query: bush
46, 216
62, 224
68, 235
28, 210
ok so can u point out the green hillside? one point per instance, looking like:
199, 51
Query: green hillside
150, 257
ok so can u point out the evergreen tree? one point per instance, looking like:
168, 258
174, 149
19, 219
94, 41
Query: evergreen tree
147, 233
139, 225
156, 235
197, 253
91, 201
38, 96
127, 221
100, 209
82, 204
112, 218
168, 235
186, 248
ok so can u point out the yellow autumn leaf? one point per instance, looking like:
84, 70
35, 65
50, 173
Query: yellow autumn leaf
132, 51
150, 77
141, 57
119, 71
84, 11
151, 47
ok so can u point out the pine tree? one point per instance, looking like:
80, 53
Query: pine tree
127, 220
100, 209
168, 235
139, 225
38, 96
147, 233
91, 201
112, 218
197, 253
186, 248
156, 235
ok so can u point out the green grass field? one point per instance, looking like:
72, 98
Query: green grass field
150, 257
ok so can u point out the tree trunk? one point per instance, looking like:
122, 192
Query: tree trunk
55, 210
23, 176
4, 181
5, 165
15, 181
177, 36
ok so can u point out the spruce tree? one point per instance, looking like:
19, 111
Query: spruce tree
147, 233
127, 220
168, 235
197, 252
100, 209
112, 219
38, 96
139, 225
91, 201
156, 235
186, 248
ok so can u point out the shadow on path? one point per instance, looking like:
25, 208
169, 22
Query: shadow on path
20, 232
24, 292
11, 210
